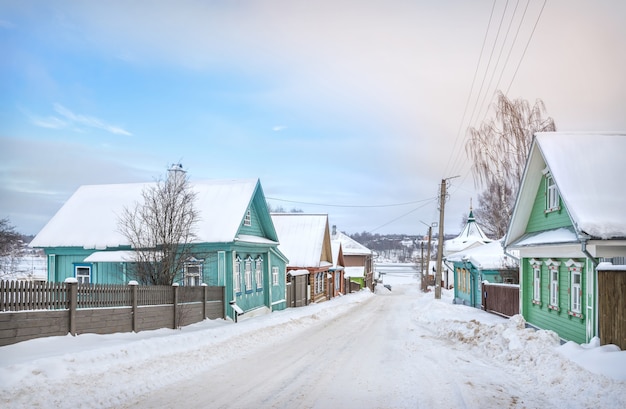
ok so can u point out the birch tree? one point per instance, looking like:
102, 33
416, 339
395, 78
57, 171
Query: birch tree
498, 150
160, 228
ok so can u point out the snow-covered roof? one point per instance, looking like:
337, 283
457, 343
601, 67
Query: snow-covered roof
304, 238
588, 170
488, 257
336, 248
349, 246
354, 271
471, 236
91, 215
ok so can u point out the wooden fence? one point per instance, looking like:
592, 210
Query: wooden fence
31, 310
501, 299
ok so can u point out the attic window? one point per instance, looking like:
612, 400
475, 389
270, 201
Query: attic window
247, 221
552, 195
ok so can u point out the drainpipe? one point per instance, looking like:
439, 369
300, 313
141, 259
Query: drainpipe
583, 248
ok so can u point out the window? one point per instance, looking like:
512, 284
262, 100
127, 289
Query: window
553, 269
192, 273
237, 276
576, 289
248, 274
258, 270
83, 273
536, 267
552, 195
274, 275
319, 283
247, 220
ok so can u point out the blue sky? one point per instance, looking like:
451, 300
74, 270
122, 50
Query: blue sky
350, 105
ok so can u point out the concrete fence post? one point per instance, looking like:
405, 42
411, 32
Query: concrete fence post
175, 309
133, 302
205, 296
72, 296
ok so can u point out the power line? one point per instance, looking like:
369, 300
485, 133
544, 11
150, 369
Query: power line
469, 96
401, 216
526, 48
351, 206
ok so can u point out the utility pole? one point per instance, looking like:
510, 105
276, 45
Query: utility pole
422, 264
430, 235
442, 206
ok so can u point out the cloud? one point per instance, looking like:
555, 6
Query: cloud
89, 121
279, 128
51, 122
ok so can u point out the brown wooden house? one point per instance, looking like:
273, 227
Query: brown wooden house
305, 241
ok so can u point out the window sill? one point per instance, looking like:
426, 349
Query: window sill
552, 210
537, 303
258, 290
575, 314
554, 307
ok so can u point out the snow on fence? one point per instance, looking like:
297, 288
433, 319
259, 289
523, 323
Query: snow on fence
33, 310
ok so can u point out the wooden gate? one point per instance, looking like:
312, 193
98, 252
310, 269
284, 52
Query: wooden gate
501, 299
612, 307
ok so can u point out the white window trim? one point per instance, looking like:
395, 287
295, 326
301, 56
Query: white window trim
536, 269
575, 290
553, 268
274, 275
237, 275
81, 277
552, 194
248, 274
187, 276
258, 270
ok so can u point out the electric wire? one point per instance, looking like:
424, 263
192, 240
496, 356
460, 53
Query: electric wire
526, 48
469, 95
349, 206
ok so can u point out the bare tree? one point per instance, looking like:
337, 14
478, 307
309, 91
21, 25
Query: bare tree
161, 228
494, 217
10, 242
498, 151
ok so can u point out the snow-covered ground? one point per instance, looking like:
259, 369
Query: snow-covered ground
392, 349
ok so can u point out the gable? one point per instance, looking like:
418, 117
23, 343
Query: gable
542, 220
587, 169
259, 222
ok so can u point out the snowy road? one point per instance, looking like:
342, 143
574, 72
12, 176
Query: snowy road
380, 357
399, 349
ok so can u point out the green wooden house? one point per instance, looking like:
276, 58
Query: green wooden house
569, 215
236, 244
471, 267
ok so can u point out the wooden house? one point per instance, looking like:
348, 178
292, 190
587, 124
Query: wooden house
568, 217
305, 241
475, 265
236, 244
336, 281
358, 259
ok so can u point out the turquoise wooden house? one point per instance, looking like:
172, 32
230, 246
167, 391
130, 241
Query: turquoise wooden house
477, 264
569, 215
236, 244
